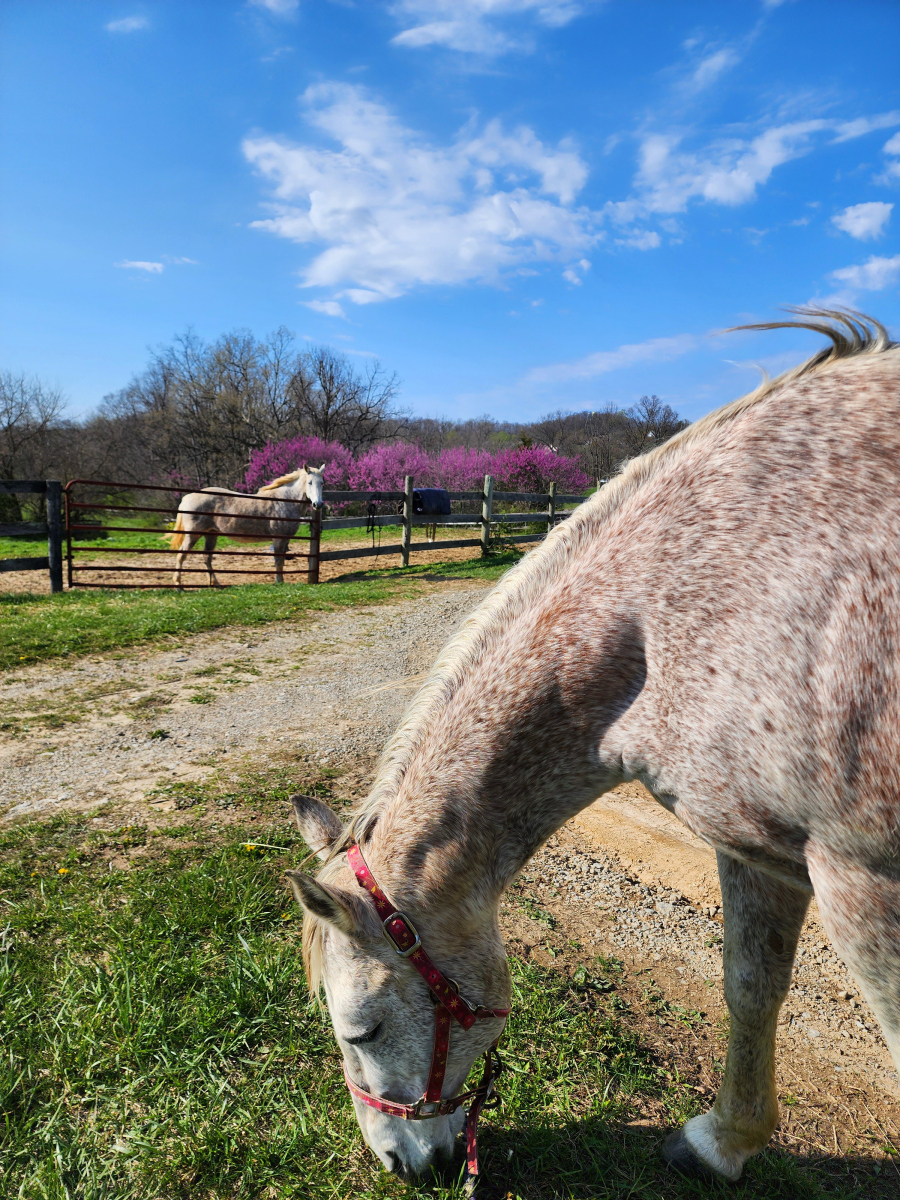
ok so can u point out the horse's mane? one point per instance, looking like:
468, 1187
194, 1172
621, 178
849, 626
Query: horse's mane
281, 481
851, 334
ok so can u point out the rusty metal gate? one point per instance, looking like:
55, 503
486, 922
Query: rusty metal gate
99, 509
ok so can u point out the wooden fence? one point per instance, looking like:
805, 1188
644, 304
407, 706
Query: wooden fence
488, 515
67, 529
52, 527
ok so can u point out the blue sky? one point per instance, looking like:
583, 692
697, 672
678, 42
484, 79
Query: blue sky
518, 205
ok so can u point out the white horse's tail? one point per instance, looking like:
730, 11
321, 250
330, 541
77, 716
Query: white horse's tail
176, 537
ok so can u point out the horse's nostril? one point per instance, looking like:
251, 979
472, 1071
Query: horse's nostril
395, 1164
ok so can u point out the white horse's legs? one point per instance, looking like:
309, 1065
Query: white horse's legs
279, 550
188, 542
209, 545
763, 919
860, 909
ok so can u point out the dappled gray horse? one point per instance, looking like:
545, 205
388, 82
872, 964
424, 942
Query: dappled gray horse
275, 517
720, 622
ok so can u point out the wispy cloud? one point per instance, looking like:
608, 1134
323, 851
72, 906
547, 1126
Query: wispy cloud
180, 261
874, 275
864, 221
278, 8
478, 26
330, 308
152, 268
727, 171
127, 25
662, 349
711, 67
845, 131
394, 211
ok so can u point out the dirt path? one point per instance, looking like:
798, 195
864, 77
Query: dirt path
114, 732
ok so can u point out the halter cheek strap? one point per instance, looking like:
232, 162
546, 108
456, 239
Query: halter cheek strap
448, 1005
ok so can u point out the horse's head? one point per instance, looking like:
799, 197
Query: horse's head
315, 484
382, 1011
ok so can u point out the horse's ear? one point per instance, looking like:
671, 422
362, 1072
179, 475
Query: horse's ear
320, 469
306, 466
323, 901
319, 826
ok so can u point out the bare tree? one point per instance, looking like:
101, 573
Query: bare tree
338, 403
650, 423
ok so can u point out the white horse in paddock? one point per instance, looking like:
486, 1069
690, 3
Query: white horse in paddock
216, 512
720, 622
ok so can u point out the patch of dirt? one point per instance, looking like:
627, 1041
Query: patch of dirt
129, 734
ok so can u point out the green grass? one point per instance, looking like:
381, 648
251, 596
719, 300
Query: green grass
157, 1041
33, 628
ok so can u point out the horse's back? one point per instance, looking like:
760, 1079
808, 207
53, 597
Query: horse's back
766, 564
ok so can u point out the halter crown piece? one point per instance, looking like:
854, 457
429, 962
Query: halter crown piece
448, 1004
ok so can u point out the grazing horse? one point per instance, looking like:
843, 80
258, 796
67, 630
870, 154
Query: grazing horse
216, 512
720, 622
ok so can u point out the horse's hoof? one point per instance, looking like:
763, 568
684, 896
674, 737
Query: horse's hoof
680, 1157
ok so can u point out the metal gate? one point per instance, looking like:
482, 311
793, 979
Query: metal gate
133, 515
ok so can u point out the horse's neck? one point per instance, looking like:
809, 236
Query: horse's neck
484, 790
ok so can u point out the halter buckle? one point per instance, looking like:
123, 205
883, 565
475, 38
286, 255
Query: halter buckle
417, 941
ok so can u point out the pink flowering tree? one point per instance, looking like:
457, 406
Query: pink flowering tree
534, 468
280, 458
383, 468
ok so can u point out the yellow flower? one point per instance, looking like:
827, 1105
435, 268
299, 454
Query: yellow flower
63, 870
285, 916
33, 873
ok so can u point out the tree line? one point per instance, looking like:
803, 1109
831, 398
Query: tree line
199, 409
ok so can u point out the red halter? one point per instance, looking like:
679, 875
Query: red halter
401, 933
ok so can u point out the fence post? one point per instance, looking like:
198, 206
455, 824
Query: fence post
315, 535
406, 536
487, 508
54, 534
551, 508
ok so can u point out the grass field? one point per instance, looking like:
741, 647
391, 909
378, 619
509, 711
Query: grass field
33, 628
157, 1041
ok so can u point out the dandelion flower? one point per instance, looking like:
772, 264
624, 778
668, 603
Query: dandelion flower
63, 870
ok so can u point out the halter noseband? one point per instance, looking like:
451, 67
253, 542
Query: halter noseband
448, 1003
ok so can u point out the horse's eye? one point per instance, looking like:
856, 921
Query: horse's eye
364, 1037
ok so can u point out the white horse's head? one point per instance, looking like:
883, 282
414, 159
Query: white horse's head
315, 484
380, 1007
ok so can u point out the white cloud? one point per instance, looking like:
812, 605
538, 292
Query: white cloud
655, 350
730, 170
152, 268
474, 26
181, 261
330, 308
710, 68
846, 130
727, 172
127, 25
648, 240
874, 275
864, 221
571, 273
394, 211
278, 8
892, 146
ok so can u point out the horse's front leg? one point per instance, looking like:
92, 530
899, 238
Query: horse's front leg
279, 550
209, 545
763, 919
188, 542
